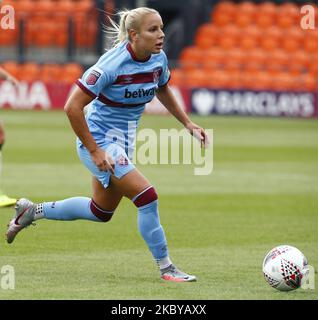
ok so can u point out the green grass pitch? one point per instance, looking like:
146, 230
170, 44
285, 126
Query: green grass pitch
262, 193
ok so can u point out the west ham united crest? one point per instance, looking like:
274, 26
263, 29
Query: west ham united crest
156, 75
92, 77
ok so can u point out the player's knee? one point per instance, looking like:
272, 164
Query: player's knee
145, 197
101, 214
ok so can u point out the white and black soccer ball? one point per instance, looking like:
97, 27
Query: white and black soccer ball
284, 268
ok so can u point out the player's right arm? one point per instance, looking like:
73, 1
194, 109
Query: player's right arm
74, 109
8, 77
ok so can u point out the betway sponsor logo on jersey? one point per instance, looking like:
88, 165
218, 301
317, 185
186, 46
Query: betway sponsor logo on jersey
139, 93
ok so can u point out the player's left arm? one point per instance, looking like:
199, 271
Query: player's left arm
166, 97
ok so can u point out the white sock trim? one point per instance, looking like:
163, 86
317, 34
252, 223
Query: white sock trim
164, 263
140, 193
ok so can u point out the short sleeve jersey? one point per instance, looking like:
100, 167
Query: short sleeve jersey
121, 85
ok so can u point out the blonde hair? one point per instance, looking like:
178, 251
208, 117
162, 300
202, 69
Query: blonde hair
129, 19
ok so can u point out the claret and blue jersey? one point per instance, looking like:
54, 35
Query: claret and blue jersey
121, 85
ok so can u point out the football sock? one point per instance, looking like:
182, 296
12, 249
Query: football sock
164, 263
73, 209
149, 223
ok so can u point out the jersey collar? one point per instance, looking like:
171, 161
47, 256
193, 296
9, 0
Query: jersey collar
132, 53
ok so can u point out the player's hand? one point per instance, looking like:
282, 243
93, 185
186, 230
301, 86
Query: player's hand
103, 161
13, 80
198, 133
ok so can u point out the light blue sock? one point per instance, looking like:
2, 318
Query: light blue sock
152, 231
73, 209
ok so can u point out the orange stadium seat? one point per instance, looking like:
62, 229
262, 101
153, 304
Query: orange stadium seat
61, 39
236, 54
218, 79
290, 44
249, 9
229, 36
248, 79
177, 77
284, 81
299, 62
11, 67
196, 78
221, 19
85, 30
263, 20
313, 66
255, 80
243, 20
255, 60
206, 36
258, 55
278, 60
208, 30
83, 6
285, 21
190, 57
252, 31
268, 7
310, 44
50, 72
71, 72
227, 41
247, 43
29, 72
266, 14
8, 37
231, 31
233, 80
307, 82
268, 43
223, 13
273, 32
290, 9
45, 7
233, 59
44, 39
24, 7
203, 42
252, 66
65, 6
295, 33
262, 81
212, 58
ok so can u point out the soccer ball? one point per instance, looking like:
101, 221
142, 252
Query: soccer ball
284, 268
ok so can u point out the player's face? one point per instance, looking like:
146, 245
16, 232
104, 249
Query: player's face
150, 36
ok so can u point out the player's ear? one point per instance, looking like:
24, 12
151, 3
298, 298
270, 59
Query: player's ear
133, 35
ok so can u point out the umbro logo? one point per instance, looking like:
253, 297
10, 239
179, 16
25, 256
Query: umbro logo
128, 80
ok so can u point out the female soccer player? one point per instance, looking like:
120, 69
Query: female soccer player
4, 199
116, 89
